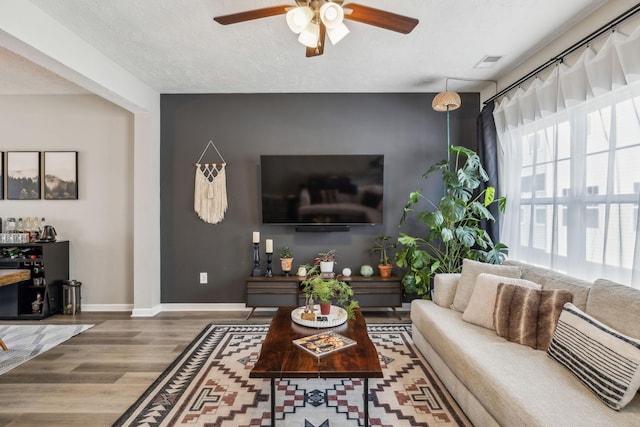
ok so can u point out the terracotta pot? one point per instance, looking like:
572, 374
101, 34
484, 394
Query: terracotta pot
325, 309
385, 270
286, 264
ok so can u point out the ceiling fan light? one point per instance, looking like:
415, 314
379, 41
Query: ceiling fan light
331, 15
336, 34
446, 99
299, 18
310, 35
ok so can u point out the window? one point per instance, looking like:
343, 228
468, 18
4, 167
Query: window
592, 217
541, 215
576, 183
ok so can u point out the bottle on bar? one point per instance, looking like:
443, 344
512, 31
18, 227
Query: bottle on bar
10, 225
35, 229
36, 306
20, 231
27, 229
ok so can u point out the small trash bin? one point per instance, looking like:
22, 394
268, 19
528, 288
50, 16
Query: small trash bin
71, 297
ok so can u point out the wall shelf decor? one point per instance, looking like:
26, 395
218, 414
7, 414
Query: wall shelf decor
23, 175
61, 175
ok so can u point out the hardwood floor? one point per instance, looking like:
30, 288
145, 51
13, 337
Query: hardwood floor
93, 378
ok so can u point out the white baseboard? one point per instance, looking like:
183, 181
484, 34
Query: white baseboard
203, 307
106, 307
145, 312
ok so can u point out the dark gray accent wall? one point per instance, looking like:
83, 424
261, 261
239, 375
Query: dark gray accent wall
403, 127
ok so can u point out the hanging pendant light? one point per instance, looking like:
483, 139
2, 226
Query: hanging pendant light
446, 101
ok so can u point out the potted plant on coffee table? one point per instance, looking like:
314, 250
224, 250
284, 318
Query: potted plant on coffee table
286, 260
328, 291
382, 247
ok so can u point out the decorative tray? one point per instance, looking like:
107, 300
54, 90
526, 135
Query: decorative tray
337, 316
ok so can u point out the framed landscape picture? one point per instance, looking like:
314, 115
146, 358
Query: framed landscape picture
61, 175
23, 175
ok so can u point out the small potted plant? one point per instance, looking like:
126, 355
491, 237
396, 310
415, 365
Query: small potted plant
302, 270
382, 247
326, 261
286, 260
326, 291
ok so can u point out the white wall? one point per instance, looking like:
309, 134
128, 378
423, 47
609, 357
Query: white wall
29, 32
99, 225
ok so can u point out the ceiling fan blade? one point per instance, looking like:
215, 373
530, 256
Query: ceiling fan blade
318, 50
249, 15
380, 18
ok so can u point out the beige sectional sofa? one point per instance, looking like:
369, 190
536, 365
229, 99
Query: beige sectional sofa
498, 382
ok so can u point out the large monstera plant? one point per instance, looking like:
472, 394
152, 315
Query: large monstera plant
454, 224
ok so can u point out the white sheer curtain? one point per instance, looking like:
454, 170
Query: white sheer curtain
570, 165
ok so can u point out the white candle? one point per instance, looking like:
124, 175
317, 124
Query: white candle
269, 249
256, 237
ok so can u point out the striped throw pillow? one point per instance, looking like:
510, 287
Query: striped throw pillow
606, 361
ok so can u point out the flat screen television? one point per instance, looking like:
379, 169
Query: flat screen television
322, 189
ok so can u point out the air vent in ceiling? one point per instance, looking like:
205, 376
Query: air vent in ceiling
488, 61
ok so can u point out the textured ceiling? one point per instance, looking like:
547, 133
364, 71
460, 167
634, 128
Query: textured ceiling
174, 46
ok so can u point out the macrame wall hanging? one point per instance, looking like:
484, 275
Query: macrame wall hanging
210, 194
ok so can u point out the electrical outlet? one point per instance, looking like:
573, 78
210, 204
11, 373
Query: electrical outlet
203, 278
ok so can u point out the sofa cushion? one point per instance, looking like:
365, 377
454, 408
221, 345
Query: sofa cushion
482, 303
608, 299
470, 271
551, 303
605, 360
444, 288
528, 316
516, 314
550, 279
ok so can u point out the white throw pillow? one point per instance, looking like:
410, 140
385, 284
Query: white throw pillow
470, 271
605, 360
482, 303
444, 288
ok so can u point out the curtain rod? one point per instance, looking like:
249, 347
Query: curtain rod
558, 58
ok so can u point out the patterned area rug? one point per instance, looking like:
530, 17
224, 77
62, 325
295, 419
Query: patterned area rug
209, 385
27, 341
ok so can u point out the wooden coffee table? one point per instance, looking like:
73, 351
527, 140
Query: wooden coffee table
280, 358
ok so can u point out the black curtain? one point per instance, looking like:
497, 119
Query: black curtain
488, 152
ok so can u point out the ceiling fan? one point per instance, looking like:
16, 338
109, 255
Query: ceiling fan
314, 20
